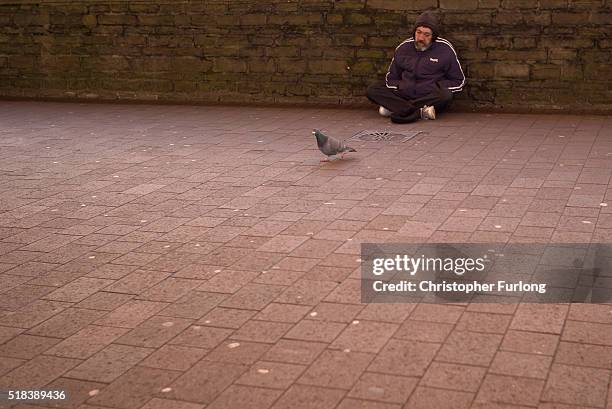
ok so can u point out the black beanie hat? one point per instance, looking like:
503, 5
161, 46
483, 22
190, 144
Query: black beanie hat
428, 19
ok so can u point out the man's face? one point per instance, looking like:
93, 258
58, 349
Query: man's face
422, 38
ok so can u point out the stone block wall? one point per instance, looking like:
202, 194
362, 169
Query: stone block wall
517, 54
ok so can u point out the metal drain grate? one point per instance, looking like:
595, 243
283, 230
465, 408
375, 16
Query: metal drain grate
389, 136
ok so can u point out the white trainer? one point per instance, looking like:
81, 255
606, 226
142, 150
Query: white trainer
428, 112
384, 111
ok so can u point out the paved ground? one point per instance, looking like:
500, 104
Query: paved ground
189, 257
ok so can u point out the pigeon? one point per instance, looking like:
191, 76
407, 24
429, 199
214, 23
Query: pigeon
331, 146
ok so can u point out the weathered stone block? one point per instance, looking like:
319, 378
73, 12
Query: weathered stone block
372, 54
72, 8
599, 96
362, 67
481, 70
545, 71
253, 20
64, 21
24, 20
357, 19
524, 42
402, 4
578, 43
253, 86
597, 71
385, 22
338, 53
514, 55
327, 66
488, 4
182, 21
268, 66
343, 40
155, 20
537, 18
600, 18
562, 54
505, 70
172, 7
470, 55
198, 20
118, 7
459, 4
604, 43
291, 65
519, 4
349, 4
286, 7
570, 19
54, 84
24, 82
298, 40
296, 20
60, 64
288, 51
595, 55
89, 20
276, 86
334, 18
476, 19
143, 8
384, 42
156, 86
571, 73
486, 42
204, 40
316, 5
481, 93
229, 65
191, 66
253, 52
519, 96
116, 19
319, 42
22, 62
586, 4
507, 18
312, 54
262, 40
187, 86
98, 8
553, 4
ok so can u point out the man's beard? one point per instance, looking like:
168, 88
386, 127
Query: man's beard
419, 45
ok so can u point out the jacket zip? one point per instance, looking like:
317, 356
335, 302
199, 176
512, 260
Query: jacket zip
416, 66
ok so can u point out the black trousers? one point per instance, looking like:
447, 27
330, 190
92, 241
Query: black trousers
408, 108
